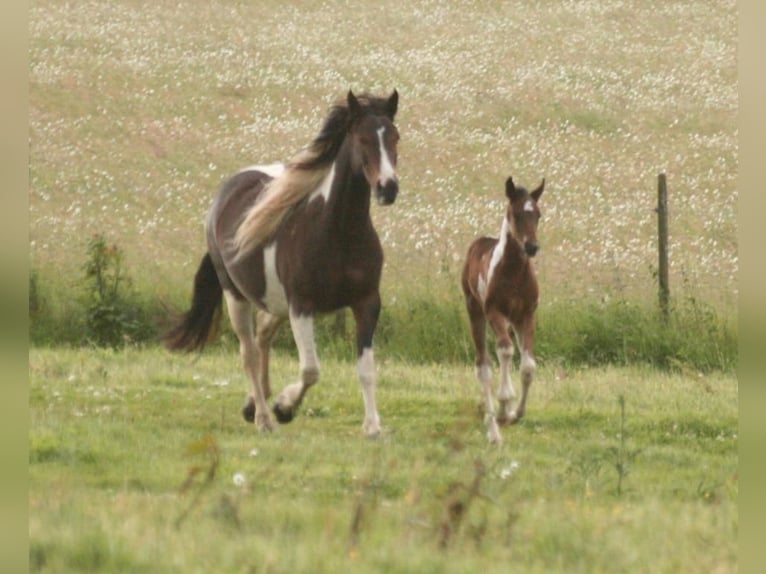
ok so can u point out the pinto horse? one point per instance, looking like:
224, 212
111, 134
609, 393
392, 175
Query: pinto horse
500, 288
296, 240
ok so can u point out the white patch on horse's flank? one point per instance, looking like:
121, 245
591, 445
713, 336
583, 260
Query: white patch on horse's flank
498, 250
273, 170
325, 187
529, 205
387, 171
274, 299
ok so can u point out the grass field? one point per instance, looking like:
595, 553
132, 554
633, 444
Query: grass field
114, 437
139, 461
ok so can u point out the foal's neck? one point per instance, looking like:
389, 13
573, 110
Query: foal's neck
513, 259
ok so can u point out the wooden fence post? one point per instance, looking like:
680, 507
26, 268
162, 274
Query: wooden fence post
662, 229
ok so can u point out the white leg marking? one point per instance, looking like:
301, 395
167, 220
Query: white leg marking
387, 171
484, 374
303, 333
274, 299
506, 394
366, 369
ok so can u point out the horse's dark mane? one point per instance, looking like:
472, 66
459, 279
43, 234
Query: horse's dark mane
325, 147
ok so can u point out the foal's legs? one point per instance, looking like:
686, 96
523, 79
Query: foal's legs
483, 365
241, 315
525, 337
266, 326
506, 394
366, 315
290, 398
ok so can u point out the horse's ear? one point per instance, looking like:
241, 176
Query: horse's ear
539, 191
354, 108
392, 104
510, 188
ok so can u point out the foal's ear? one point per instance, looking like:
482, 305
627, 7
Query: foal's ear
510, 189
539, 191
392, 104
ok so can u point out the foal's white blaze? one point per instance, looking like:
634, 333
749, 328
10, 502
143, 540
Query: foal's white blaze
529, 206
273, 170
497, 252
324, 188
274, 299
387, 171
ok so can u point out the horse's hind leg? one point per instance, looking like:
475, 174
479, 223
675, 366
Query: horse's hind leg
241, 315
483, 365
290, 398
266, 326
506, 394
366, 315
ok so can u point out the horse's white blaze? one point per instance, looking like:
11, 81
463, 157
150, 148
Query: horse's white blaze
529, 205
387, 171
497, 251
274, 299
324, 188
272, 170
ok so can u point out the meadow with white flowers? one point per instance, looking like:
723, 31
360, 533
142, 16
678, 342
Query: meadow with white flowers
139, 461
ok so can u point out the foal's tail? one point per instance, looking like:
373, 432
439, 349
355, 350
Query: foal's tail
200, 323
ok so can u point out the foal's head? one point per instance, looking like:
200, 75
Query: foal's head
374, 138
523, 215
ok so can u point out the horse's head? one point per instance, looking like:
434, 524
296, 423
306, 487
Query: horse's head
523, 215
374, 139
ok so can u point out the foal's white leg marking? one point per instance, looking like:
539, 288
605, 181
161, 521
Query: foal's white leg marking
387, 171
506, 393
303, 333
325, 186
241, 315
274, 299
366, 369
484, 374
498, 250
273, 170
528, 367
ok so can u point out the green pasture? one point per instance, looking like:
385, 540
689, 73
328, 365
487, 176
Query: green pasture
140, 462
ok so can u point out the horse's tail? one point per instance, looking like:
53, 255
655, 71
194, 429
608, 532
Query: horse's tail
199, 324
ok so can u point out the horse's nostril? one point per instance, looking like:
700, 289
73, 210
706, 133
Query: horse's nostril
387, 193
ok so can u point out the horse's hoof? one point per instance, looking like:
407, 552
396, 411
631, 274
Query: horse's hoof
264, 424
248, 410
283, 415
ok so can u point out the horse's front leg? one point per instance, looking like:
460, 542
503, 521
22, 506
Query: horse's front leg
366, 315
290, 398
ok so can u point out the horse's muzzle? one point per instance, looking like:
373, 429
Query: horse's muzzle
531, 248
387, 192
